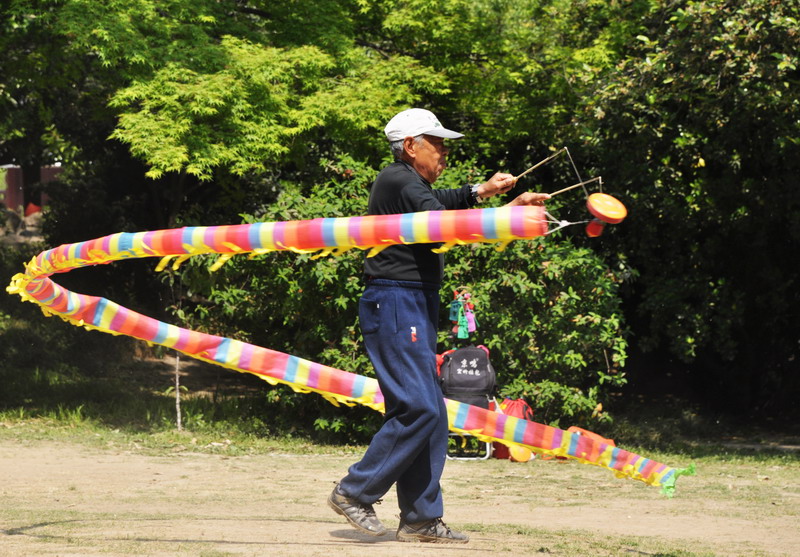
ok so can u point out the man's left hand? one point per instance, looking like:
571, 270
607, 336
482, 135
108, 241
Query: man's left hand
530, 198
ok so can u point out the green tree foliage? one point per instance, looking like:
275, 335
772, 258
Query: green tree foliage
206, 112
706, 110
50, 103
255, 107
515, 69
196, 90
246, 97
237, 86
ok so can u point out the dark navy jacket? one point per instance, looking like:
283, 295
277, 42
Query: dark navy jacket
400, 189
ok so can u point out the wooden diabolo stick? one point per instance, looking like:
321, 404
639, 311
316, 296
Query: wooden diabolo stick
540, 163
579, 184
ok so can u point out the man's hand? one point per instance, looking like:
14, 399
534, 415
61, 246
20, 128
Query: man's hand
499, 183
529, 198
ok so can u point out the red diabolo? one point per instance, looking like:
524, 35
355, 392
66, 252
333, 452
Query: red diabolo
595, 228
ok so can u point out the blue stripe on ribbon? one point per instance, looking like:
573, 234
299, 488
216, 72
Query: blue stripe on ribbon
186, 236
125, 243
254, 235
328, 235
291, 369
519, 430
98, 311
358, 386
489, 223
573, 443
461, 415
614, 455
221, 355
161, 333
407, 227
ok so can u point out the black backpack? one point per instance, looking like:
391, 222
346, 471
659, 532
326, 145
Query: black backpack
467, 376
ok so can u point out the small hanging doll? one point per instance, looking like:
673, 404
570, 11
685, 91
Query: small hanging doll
462, 314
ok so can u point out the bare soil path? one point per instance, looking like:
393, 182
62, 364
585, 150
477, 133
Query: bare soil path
60, 498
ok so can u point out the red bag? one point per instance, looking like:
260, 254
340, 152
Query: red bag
517, 408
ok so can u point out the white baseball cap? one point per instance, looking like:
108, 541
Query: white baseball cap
414, 122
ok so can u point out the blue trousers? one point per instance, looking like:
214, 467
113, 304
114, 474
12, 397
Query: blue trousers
398, 321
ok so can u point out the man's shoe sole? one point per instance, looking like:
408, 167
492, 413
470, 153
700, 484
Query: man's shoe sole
355, 525
427, 539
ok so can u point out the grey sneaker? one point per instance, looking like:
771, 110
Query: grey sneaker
361, 516
432, 531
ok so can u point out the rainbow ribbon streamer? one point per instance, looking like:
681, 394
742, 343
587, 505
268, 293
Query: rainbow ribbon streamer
324, 236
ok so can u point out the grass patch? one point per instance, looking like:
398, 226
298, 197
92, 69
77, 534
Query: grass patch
232, 442
543, 541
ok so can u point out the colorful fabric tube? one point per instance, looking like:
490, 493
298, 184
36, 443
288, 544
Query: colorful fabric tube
491, 426
499, 225
496, 225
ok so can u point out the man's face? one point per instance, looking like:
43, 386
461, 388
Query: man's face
430, 157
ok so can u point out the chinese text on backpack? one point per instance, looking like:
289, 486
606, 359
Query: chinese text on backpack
467, 376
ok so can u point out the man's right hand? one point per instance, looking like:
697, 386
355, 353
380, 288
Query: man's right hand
501, 182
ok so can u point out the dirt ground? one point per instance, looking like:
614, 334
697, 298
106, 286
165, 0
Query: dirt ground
72, 499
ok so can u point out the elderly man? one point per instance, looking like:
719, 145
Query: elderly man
398, 313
